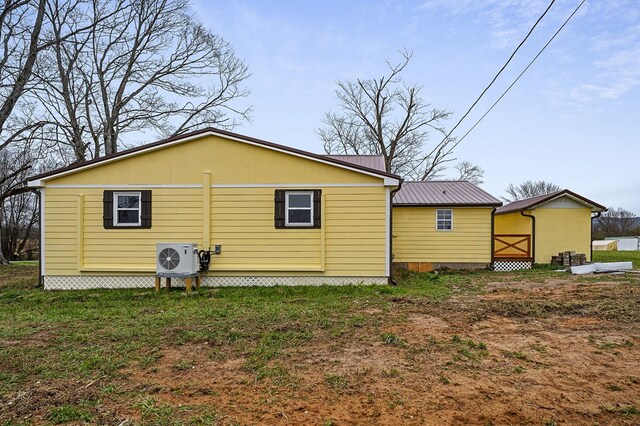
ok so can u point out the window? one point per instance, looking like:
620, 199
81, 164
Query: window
126, 209
444, 220
297, 209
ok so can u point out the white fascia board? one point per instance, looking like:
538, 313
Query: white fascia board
211, 133
571, 197
388, 181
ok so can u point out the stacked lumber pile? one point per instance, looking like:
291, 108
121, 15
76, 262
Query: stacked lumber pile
569, 258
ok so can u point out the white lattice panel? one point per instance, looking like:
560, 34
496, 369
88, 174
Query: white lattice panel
288, 281
82, 282
511, 265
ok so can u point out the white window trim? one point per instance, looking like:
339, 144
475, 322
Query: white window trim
444, 230
115, 208
286, 208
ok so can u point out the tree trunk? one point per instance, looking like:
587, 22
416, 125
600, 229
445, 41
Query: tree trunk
3, 260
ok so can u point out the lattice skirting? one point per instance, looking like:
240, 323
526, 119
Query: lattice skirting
82, 282
511, 265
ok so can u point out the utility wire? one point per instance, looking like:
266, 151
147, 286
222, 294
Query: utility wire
499, 72
520, 75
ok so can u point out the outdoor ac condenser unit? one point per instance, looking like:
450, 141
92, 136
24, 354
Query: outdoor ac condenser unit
177, 258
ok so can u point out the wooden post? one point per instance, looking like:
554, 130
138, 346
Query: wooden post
157, 284
168, 284
198, 282
188, 283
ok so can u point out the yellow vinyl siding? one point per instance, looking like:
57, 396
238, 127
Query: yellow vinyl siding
562, 229
512, 223
351, 242
176, 217
557, 229
230, 162
415, 238
242, 222
60, 236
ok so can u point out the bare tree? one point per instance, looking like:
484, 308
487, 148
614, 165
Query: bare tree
616, 222
24, 35
529, 189
19, 217
20, 27
388, 117
15, 165
25, 32
150, 65
470, 172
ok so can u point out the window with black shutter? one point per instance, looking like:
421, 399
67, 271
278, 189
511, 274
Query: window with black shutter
298, 208
126, 209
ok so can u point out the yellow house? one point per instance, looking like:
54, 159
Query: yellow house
534, 229
442, 224
279, 215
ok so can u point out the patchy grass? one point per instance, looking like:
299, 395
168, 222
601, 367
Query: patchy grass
23, 275
337, 381
80, 335
392, 340
69, 413
104, 356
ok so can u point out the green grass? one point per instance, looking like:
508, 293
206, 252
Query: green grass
618, 256
25, 262
392, 340
69, 413
336, 381
468, 349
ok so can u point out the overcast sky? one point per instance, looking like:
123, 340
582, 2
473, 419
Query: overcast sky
573, 119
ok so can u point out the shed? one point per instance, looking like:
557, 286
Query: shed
604, 245
442, 224
280, 215
626, 243
534, 229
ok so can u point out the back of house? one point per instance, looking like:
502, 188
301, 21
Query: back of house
279, 215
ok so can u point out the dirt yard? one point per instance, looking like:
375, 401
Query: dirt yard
548, 351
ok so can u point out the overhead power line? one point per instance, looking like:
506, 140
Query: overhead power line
520, 75
500, 71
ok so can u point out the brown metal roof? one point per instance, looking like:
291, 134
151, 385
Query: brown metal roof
443, 193
375, 162
529, 203
219, 132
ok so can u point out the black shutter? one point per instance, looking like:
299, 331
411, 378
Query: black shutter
145, 213
317, 212
107, 209
279, 214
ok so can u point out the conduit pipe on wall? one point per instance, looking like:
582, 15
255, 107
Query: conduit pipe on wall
391, 194
598, 214
493, 235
